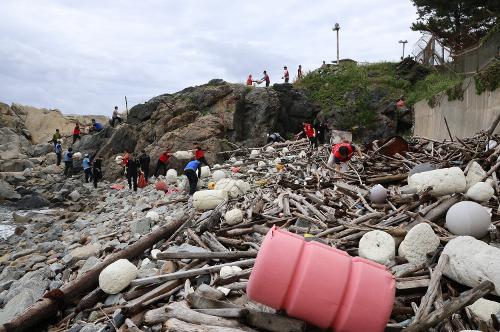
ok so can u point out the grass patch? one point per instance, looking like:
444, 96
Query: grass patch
433, 84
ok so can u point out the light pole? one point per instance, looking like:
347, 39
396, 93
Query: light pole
403, 42
337, 28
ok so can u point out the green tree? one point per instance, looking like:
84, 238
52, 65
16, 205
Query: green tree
457, 23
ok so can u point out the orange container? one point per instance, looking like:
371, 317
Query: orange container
321, 285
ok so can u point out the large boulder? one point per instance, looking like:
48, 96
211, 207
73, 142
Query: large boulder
117, 276
472, 262
7, 191
13, 145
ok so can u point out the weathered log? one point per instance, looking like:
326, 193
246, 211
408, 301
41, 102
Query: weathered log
275, 323
137, 304
190, 273
176, 325
430, 295
225, 312
47, 308
207, 255
387, 178
212, 242
442, 208
451, 307
180, 310
493, 125
201, 302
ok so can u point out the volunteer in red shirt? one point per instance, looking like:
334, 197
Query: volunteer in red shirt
341, 154
250, 80
309, 132
76, 133
266, 78
161, 165
286, 74
199, 154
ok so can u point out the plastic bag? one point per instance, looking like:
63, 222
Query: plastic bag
141, 182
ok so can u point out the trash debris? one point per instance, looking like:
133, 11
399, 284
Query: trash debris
211, 259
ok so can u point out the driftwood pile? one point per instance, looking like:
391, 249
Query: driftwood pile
305, 197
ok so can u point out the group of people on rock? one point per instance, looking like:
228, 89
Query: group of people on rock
267, 79
92, 166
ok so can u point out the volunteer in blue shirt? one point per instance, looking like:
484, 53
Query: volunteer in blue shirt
86, 167
193, 172
96, 126
68, 162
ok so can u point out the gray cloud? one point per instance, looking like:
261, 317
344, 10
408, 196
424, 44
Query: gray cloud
85, 56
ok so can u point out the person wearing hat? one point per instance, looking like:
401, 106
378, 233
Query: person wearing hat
58, 151
68, 162
86, 167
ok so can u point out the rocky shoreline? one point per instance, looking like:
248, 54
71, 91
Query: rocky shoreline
275, 185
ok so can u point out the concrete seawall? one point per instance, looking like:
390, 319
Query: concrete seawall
465, 117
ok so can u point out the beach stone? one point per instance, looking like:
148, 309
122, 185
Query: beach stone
254, 153
153, 215
24, 292
22, 217
52, 169
261, 164
56, 284
270, 149
484, 309
474, 174
117, 276
233, 216
74, 195
154, 253
419, 241
89, 264
141, 226
85, 251
227, 271
472, 262
480, 192
377, 246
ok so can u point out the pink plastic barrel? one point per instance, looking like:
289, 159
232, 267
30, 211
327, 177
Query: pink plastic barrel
320, 284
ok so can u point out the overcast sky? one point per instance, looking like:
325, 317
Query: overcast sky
84, 56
